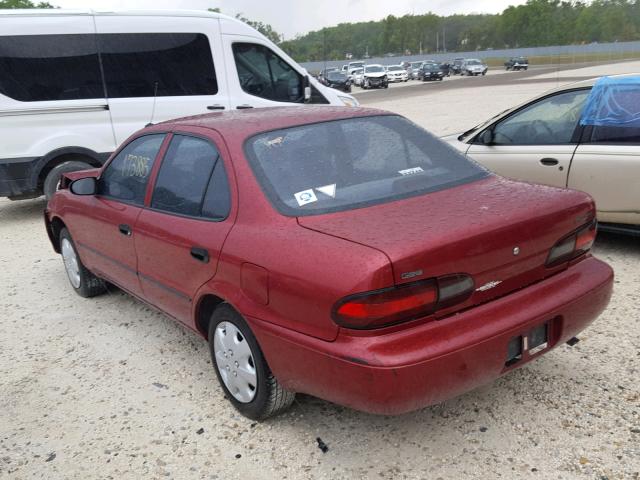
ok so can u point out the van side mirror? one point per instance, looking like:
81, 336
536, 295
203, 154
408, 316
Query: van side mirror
486, 137
307, 89
84, 186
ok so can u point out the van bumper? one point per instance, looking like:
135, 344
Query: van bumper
15, 177
411, 368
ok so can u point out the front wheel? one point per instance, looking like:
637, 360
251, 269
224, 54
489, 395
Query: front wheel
85, 283
52, 179
241, 368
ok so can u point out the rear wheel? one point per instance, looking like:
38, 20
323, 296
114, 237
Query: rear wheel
52, 179
85, 283
241, 368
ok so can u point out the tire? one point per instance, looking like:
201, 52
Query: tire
267, 397
484, 73
85, 283
53, 177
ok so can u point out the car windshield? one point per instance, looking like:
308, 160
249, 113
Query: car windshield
336, 76
353, 163
416, 64
395, 68
474, 62
431, 67
374, 69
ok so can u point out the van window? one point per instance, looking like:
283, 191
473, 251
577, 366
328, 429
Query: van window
184, 181
179, 63
264, 74
126, 176
38, 68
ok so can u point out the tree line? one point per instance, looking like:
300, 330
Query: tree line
536, 23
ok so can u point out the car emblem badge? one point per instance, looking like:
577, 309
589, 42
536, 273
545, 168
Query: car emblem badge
516, 251
489, 286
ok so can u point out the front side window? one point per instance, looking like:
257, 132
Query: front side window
126, 176
263, 74
35, 68
550, 121
192, 180
345, 164
162, 64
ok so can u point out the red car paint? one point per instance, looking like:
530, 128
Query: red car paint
285, 274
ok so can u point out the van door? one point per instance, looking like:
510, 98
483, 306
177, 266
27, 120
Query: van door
51, 94
158, 68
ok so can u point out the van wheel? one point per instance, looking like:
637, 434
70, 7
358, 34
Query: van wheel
85, 283
53, 177
242, 370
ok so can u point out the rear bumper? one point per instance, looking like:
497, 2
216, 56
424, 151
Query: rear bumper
404, 370
16, 177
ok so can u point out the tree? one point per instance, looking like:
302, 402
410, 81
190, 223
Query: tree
23, 4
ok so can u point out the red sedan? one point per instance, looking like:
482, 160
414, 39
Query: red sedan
342, 253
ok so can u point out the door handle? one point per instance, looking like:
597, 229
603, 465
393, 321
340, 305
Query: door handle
215, 107
243, 107
549, 162
125, 229
200, 254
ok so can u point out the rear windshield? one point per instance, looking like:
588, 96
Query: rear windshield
346, 164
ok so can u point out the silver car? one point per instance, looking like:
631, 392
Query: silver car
542, 141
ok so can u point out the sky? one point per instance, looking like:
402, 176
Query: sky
291, 17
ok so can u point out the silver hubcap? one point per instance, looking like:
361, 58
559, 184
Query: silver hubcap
235, 362
71, 263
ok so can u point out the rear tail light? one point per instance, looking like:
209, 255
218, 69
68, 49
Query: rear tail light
573, 245
393, 305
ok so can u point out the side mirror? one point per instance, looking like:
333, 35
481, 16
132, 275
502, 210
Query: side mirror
84, 186
307, 89
486, 137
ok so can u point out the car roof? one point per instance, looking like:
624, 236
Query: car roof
246, 123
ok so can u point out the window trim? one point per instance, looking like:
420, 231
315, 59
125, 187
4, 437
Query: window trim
575, 137
115, 154
173, 134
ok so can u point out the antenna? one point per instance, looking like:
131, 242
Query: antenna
153, 108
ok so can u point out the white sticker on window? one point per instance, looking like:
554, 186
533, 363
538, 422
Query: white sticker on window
411, 171
275, 141
306, 196
328, 190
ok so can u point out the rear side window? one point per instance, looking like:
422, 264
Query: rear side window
180, 64
126, 176
346, 164
37, 68
192, 180
615, 135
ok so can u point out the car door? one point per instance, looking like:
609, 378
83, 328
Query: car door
607, 166
180, 237
157, 68
535, 143
103, 224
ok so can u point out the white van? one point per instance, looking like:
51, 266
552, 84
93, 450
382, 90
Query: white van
75, 84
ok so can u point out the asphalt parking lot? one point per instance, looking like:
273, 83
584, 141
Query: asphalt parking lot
109, 388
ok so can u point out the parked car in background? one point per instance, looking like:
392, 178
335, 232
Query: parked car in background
456, 66
543, 141
374, 76
338, 80
357, 76
430, 71
354, 65
473, 67
395, 73
446, 69
516, 63
414, 69
413, 302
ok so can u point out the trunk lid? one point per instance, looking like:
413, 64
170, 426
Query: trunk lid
496, 230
